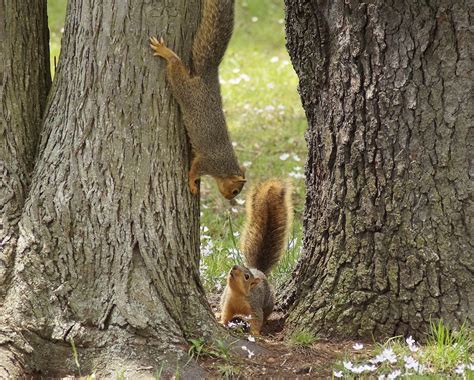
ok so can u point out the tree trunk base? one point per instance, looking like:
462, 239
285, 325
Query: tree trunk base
105, 354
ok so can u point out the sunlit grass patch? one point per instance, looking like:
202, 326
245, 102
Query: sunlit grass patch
447, 348
56, 16
267, 125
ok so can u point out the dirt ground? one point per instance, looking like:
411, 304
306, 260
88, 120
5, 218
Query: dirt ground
275, 357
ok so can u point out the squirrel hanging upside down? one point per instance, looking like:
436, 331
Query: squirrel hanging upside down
198, 95
248, 292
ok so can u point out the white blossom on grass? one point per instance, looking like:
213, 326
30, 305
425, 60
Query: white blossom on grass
207, 247
358, 346
274, 59
370, 367
387, 355
241, 324
284, 156
240, 202
411, 363
292, 243
460, 369
251, 338
249, 353
233, 253
240, 78
247, 164
358, 369
296, 175
348, 365
412, 344
254, 19
270, 85
337, 374
393, 375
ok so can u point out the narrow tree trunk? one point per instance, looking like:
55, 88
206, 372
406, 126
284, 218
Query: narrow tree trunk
24, 85
108, 253
387, 90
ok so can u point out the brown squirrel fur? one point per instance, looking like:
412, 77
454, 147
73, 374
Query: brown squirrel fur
248, 292
198, 95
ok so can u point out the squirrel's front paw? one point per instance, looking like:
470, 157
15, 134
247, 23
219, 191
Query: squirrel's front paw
161, 50
158, 46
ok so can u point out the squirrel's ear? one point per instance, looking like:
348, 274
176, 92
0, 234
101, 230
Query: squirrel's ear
255, 282
243, 169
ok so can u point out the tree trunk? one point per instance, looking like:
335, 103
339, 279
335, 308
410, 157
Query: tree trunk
387, 90
24, 84
109, 245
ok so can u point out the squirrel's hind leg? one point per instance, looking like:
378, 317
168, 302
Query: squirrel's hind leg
255, 325
194, 175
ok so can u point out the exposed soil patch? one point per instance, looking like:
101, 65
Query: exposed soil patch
281, 359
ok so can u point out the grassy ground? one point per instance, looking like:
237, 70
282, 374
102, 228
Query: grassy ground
266, 122
447, 354
267, 125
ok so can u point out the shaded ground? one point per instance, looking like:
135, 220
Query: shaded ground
278, 357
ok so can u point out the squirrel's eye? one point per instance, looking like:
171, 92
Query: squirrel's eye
246, 277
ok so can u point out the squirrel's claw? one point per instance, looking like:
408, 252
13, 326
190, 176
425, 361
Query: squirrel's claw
155, 43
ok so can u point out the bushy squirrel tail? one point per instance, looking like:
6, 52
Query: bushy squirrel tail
269, 215
213, 35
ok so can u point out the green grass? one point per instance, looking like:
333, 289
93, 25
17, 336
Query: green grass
266, 122
443, 356
303, 338
56, 15
446, 348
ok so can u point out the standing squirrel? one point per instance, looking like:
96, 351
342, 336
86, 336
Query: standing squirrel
248, 292
199, 97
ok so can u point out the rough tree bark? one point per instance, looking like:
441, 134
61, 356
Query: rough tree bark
24, 84
387, 90
108, 246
